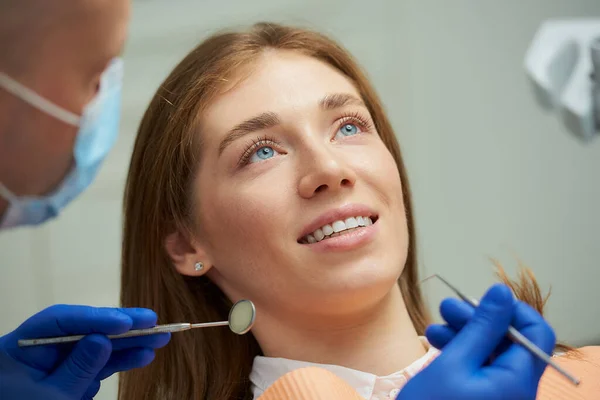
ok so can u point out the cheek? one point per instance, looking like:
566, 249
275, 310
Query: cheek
384, 178
381, 173
236, 217
244, 231
391, 175
243, 223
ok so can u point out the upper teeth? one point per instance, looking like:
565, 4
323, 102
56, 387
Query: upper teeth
337, 226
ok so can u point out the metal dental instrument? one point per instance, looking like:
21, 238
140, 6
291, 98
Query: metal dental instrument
241, 319
514, 334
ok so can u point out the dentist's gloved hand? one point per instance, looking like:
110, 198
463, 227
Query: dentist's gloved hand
477, 361
74, 371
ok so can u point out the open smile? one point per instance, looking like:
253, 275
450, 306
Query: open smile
341, 229
338, 228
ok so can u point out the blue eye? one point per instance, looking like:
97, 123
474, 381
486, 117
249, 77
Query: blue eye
348, 129
263, 153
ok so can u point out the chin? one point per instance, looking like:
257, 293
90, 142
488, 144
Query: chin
351, 289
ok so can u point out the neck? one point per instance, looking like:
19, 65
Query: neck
381, 341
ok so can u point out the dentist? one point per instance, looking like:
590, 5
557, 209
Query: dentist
60, 88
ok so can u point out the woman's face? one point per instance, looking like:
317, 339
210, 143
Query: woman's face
299, 203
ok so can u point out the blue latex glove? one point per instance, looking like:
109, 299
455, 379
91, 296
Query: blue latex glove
477, 361
74, 371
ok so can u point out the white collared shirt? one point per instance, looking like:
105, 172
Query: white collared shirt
266, 370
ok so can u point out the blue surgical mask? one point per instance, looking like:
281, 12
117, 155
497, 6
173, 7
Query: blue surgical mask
98, 129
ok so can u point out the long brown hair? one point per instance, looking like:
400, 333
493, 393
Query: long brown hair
211, 364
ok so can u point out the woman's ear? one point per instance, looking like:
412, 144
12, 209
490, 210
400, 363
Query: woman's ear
187, 256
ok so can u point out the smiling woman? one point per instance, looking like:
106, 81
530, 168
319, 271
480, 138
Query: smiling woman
266, 156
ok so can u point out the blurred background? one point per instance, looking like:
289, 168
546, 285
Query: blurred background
493, 175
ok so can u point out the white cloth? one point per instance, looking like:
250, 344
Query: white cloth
266, 370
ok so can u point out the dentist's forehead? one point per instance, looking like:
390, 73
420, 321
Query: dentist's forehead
29, 24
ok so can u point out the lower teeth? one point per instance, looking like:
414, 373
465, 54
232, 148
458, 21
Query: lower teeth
334, 234
341, 233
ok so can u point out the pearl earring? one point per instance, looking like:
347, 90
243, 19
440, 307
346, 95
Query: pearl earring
199, 266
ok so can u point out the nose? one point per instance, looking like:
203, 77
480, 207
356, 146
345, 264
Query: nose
324, 171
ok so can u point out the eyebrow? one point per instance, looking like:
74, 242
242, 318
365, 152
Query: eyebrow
260, 122
270, 119
338, 100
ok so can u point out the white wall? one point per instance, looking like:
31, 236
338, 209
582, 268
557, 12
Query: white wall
492, 174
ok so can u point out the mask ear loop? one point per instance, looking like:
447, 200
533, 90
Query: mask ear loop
37, 101
7, 194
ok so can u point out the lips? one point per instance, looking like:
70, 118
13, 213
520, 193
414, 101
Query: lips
337, 222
